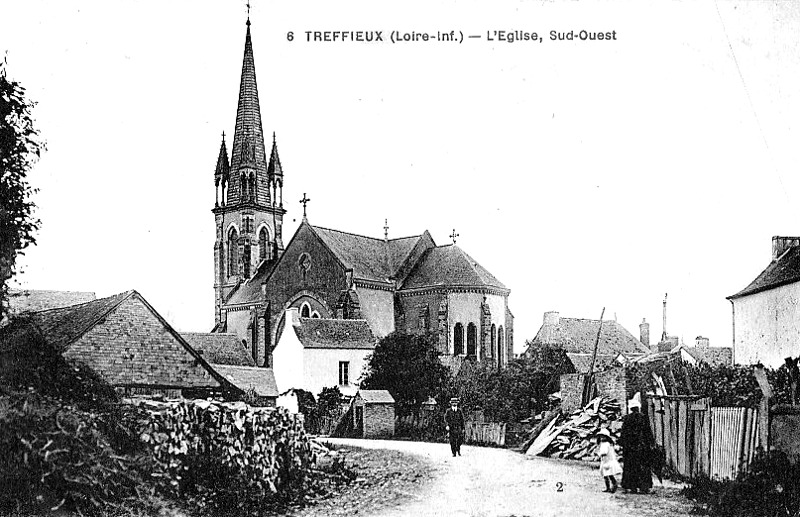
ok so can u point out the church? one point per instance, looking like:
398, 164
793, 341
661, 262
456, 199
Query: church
406, 284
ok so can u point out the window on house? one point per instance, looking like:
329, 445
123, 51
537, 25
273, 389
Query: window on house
233, 252
423, 317
458, 339
305, 310
472, 339
315, 314
344, 373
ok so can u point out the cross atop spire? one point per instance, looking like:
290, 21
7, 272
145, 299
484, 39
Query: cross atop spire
304, 202
248, 13
454, 235
386, 230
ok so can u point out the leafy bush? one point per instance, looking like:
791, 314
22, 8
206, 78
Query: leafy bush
770, 488
515, 392
728, 386
58, 456
34, 364
408, 366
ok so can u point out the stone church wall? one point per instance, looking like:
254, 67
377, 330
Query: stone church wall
324, 277
377, 307
411, 307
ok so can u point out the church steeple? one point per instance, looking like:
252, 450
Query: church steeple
249, 182
248, 210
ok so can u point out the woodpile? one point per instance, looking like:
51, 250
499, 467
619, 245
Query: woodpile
573, 436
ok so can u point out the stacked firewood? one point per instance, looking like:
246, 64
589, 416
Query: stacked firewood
574, 436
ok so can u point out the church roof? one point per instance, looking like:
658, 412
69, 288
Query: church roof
449, 266
39, 300
219, 348
332, 333
577, 336
368, 257
785, 270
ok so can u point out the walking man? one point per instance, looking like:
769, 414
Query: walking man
454, 425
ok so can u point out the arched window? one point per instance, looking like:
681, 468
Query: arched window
305, 310
315, 315
472, 339
263, 240
246, 260
500, 347
233, 252
493, 334
458, 339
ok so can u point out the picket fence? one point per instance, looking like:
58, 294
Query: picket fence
703, 441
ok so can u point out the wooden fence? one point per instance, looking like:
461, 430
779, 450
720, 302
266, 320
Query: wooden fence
700, 440
476, 431
488, 433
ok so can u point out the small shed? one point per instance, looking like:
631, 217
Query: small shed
373, 414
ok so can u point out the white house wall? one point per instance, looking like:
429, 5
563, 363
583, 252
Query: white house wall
321, 366
287, 358
767, 326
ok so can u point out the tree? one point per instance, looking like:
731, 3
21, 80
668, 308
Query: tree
20, 147
518, 390
408, 366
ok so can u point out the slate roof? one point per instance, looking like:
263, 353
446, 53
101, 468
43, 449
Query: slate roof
581, 362
220, 348
62, 326
332, 333
785, 270
449, 266
376, 396
578, 336
712, 355
38, 300
368, 257
246, 377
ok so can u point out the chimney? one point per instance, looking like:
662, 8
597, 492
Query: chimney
781, 244
551, 318
701, 342
644, 333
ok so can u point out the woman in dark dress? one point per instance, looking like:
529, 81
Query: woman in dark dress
636, 440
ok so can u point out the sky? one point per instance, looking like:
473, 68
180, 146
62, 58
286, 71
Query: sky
583, 174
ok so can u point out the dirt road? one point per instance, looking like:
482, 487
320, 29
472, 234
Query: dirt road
498, 482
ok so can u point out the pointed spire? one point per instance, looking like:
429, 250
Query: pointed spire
223, 166
248, 139
274, 167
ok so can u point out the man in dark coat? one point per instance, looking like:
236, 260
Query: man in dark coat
454, 425
636, 440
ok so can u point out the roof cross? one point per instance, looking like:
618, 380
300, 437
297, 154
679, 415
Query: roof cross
386, 229
454, 235
304, 201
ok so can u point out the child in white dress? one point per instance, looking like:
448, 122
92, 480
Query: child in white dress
609, 466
